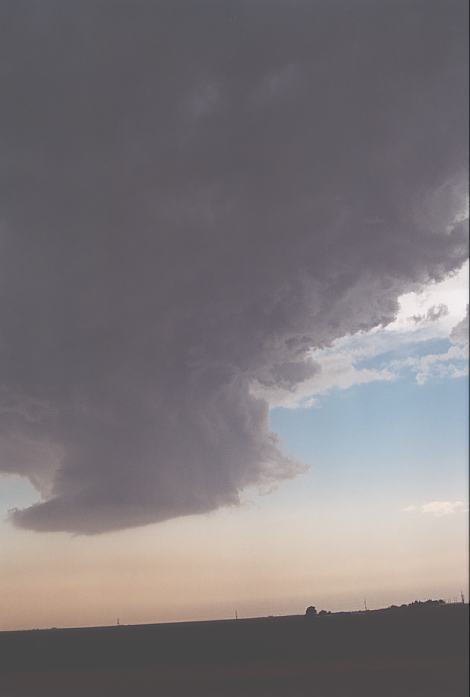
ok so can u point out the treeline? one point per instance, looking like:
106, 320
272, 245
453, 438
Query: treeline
418, 604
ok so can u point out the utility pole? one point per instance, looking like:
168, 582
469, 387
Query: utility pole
462, 597
365, 605
236, 614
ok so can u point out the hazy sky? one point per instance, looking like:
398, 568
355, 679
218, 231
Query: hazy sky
233, 302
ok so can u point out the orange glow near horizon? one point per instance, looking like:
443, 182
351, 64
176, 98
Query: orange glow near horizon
240, 559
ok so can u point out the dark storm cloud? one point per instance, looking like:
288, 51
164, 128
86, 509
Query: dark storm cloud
192, 195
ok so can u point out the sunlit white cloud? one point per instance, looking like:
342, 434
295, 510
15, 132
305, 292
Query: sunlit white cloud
436, 312
438, 508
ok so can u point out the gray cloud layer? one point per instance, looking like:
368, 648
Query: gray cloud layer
193, 194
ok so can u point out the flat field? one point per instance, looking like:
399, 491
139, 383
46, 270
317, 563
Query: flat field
419, 652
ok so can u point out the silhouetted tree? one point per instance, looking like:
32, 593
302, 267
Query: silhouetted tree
311, 611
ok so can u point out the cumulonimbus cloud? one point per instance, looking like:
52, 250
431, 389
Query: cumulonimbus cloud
192, 198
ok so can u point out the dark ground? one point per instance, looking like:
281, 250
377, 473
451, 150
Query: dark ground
419, 652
